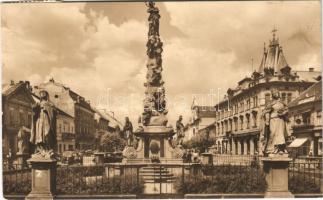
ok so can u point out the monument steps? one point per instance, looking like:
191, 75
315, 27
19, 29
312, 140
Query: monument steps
152, 174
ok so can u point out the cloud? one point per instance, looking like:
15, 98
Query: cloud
94, 48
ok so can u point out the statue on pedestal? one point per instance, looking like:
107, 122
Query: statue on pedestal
128, 130
43, 128
275, 131
23, 140
180, 130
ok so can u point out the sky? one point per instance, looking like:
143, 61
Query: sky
99, 49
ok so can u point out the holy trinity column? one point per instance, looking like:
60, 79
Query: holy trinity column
154, 102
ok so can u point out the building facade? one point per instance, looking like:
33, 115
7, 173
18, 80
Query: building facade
65, 132
238, 116
16, 113
75, 106
306, 122
202, 120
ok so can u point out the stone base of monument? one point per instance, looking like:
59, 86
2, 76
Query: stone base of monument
43, 178
207, 158
22, 159
276, 170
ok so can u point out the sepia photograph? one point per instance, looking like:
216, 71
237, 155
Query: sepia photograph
161, 99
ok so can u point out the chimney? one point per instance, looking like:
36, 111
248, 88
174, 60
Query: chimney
12, 82
311, 69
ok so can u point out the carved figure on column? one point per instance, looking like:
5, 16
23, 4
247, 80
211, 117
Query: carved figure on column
43, 128
275, 132
180, 130
128, 130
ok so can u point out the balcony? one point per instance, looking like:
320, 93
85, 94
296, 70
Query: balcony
302, 127
68, 136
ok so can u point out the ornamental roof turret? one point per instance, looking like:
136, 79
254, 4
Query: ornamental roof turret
273, 57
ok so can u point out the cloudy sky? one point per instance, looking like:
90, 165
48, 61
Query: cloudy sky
98, 49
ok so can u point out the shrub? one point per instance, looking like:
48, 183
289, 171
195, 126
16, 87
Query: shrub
75, 182
223, 179
299, 183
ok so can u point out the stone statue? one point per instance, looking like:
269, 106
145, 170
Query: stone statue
43, 128
180, 131
128, 130
23, 140
275, 132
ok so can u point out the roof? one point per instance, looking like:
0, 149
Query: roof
207, 121
113, 122
10, 89
273, 57
205, 111
37, 99
312, 94
100, 113
76, 97
308, 76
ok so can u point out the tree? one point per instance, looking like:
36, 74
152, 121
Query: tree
201, 141
112, 142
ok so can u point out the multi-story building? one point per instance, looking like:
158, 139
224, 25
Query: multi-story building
16, 113
238, 116
202, 119
306, 122
100, 121
65, 132
76, 107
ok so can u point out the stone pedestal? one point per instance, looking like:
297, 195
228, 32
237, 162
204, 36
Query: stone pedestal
276, 170
43, 178
207, 158
157, 136
99, 158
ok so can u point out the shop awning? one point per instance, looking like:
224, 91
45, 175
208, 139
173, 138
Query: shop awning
298, 142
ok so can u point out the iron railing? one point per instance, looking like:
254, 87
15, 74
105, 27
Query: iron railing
305, 176
227, 174
16, 179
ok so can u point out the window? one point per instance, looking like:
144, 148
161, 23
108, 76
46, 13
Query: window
255, 101
284, 97
56, 96
70, 147
21, 118
289, 97
248, 104
11, 116
267, 98
29, 119
248, 121
241, 107
306, 118
60, 128
235, 124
